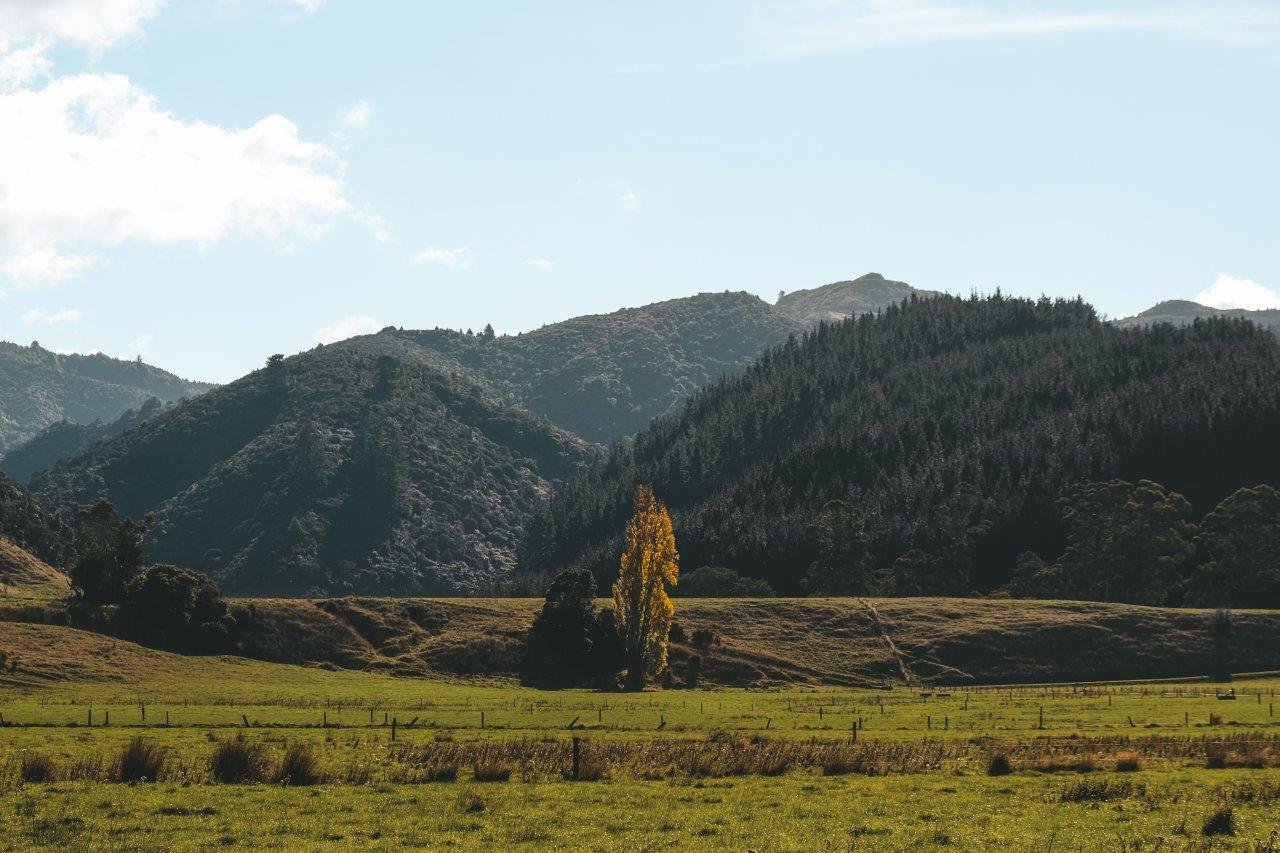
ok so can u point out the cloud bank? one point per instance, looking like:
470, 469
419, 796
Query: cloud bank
1229, 291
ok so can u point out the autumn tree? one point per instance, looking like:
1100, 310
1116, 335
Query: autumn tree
649, 564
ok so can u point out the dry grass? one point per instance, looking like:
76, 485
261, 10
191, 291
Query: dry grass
237, 761
300, 766
37, 767
26, 578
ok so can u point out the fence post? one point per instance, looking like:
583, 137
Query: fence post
393, 729
482, 719
577, 758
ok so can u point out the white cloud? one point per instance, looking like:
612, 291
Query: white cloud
540, 263
28, 265
357, 115
94, 24
51, 318
304, 5
826, 25
629, 201
140, 346
18, 67
459, 258
91, 160
1228, 291
347, 327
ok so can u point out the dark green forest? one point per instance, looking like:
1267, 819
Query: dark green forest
948, 423
65, 439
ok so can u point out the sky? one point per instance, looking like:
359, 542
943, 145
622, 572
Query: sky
205, 183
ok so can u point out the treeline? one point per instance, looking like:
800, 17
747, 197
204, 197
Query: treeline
945, 422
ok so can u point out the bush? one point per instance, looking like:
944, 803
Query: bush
1221, 822
1128, 762
141, 761
490, 771
999, 766
693, 671
299, 766
37, 767
178, 606
719, 582
237, 761
704, 638
1098, 790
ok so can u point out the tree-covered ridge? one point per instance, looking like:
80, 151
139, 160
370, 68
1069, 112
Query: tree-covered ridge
1180, 312
606, 376
64, 439
866, 294
942, 420
367, 466
29, 524
39, 388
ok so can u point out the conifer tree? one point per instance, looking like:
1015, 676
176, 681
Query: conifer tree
640, 600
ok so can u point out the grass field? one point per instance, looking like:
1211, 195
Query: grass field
720, 768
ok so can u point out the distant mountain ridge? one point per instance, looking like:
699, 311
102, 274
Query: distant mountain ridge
1181, 312
606, 376
64, 439
833, 302
39, 387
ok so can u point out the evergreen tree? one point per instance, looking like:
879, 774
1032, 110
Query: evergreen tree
1239, 546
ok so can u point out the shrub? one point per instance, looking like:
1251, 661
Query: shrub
485, 770
299, 766
719, 582
584, 641
1221, 822
1128, 762
141, 761
237, 761
999, 766
37, 767
693, 671
677, 634
704, 638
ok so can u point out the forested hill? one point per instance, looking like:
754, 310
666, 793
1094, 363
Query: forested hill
866, 294
1180, 312
945, 421
39, 387
64, 439
367, 466
606, 376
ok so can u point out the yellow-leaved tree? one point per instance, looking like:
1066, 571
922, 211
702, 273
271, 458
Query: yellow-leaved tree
640, 598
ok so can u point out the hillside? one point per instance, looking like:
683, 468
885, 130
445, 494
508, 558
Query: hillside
946, 421
1181, 312
606, 376
27, 523
784, 641
24, 577
64, 439
367, 466
866, 294
39, 388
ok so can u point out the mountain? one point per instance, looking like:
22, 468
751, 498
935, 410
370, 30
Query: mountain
39, 387
605, 376
941, 419
866, 294
64, 439
371, 465
1181, 312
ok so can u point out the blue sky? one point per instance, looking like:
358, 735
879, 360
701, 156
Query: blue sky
209, 182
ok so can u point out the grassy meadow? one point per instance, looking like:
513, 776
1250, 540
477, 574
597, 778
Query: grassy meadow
489, 765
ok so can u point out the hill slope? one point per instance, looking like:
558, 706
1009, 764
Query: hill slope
1181, 312
918, 409
784, 641
866, 294
605, 376
370, 465
39, 387
64, 439
24, 577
